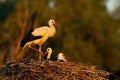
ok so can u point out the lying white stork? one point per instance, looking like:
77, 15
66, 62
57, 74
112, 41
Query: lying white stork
39, 35
60, 57
47, 54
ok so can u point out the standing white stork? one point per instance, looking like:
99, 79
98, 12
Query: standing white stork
39, 35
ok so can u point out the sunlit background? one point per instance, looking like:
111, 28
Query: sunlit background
88, 31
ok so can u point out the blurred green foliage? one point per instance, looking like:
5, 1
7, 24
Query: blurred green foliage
86, 33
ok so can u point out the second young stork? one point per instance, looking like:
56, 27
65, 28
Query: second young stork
39, 35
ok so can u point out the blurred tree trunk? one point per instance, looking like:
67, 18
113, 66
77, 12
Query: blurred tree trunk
22, 18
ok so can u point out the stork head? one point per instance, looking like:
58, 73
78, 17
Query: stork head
48, 50
51, 22
61, 57
48, 53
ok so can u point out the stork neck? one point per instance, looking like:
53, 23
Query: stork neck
52, 30
49, 55
51, 25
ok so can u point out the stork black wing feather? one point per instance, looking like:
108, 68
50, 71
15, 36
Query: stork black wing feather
29, 37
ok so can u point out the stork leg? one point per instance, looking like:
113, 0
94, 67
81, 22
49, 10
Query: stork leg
39, 47
33, 49
40, 53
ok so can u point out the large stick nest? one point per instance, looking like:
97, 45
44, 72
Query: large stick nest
36, 70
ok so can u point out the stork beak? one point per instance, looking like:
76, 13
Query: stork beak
46, 52
55, 26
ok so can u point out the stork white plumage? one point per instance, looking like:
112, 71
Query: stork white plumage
39, 35
60, 57
47, 54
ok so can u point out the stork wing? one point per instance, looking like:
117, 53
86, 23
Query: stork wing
34, 34
28, 38
41, 31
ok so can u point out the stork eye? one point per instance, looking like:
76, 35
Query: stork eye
53, 22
